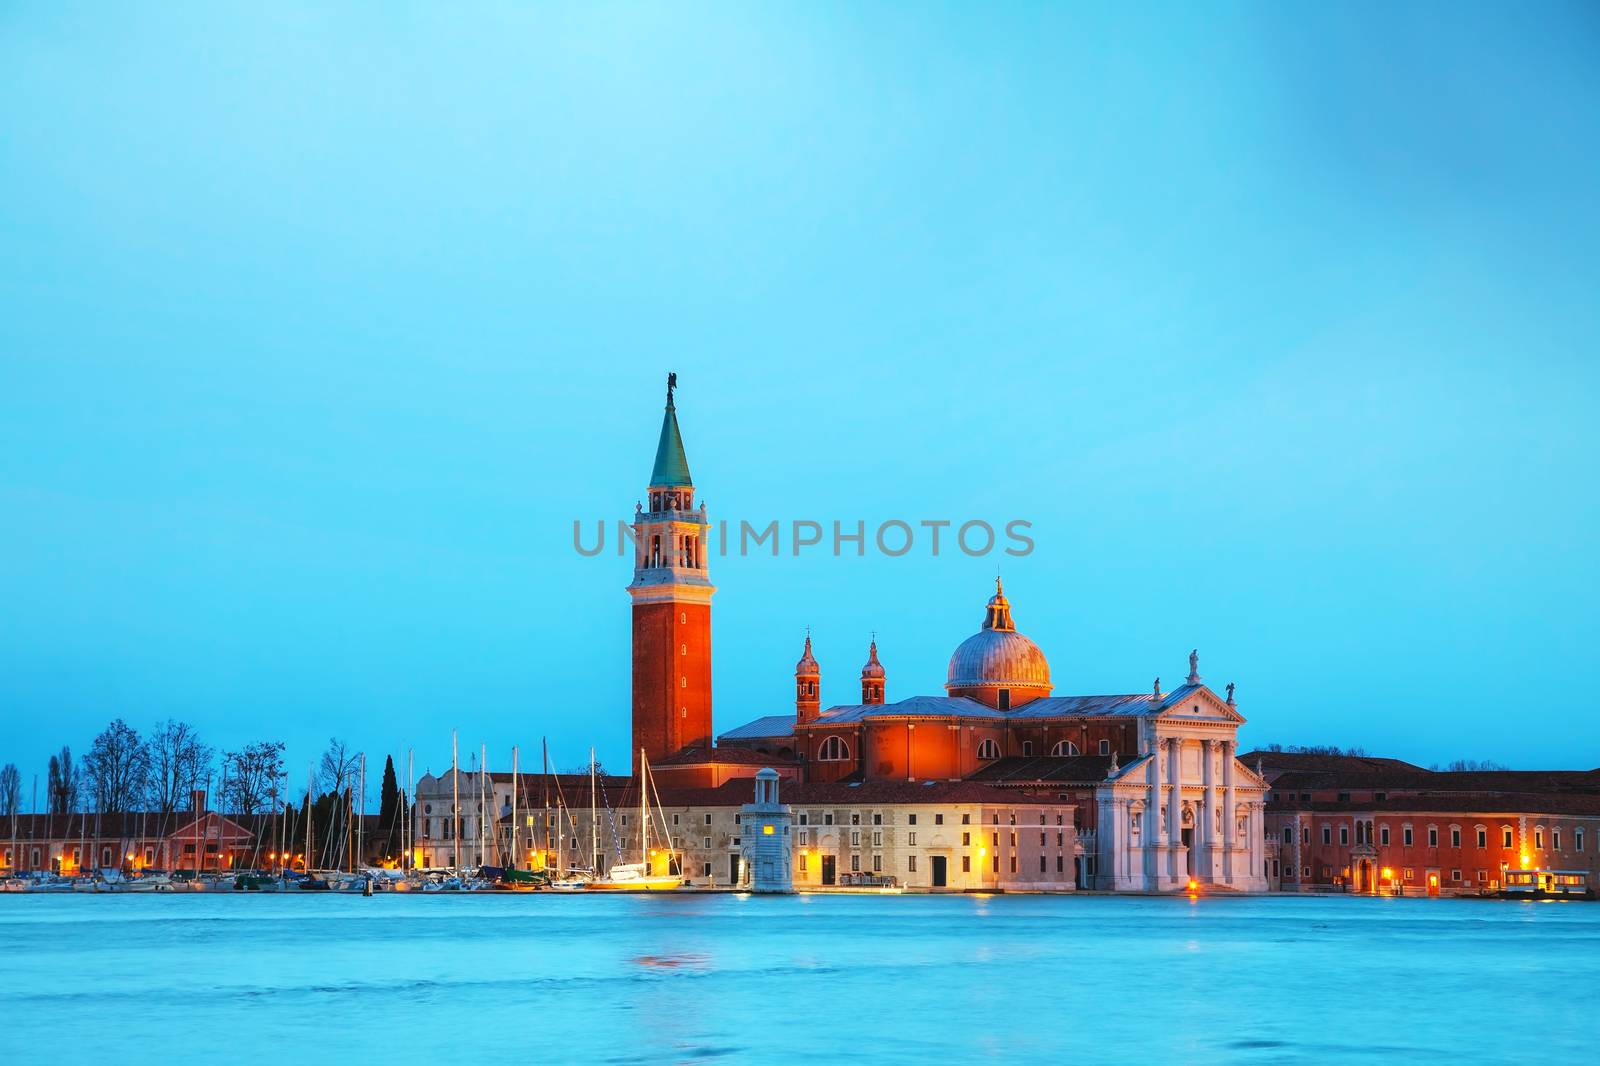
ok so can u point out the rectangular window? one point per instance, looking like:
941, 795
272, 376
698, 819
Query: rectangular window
1344, 834
938, 819
705, 869
1105, 747
966, 864
1327, 834
1041, 840
877, 819
911, 863
1405, 835
1483, 875
1408, 874
802, 862
1555, 839
1433, 836
1538, 839
1505, 838
1288, 834
1305, 834
705, 843
855, 838
827, 819
1483, 838
1455, 875
966, 819
911, 819
1383, 835
994, 864
803, 820
708, 818
674, 819
911, 840
855, 864
877, 863
1577, 838
877, 838
1041, 864
1061, 840
966, 840
1060, 864
994, 841
855, 819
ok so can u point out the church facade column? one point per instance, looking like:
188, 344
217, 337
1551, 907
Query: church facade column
1175, 808
1229, 804
1150, 826
1206, 839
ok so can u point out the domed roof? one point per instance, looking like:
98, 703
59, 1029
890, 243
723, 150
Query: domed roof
873, 668
807, 666
997, 656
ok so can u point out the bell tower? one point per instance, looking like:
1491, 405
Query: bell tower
872, 679
807, 685
671, 595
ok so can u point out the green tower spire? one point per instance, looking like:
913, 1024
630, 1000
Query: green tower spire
672, 466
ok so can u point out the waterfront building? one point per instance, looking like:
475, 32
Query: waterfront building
1369, 825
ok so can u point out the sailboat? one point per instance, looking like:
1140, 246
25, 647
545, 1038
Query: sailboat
640, 876
575, 880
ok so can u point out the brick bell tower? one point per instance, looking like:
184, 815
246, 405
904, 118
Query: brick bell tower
671, 606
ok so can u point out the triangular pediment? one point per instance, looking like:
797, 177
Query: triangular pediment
1212, 706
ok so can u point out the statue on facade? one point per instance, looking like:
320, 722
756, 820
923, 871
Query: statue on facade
1230, 693
1156, 689
672, 383
1194, 665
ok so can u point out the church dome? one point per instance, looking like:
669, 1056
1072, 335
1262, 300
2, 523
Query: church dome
998, 657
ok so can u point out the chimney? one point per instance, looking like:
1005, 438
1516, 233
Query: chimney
197, 801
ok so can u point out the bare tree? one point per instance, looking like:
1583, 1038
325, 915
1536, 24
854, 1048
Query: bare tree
251, 774
61, 788
1472, 765
10, 790
338, 766
178, 762
117, 767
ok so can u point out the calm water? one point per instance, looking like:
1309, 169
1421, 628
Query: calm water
708, 978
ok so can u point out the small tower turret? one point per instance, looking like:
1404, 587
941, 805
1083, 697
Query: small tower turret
872, 677
807, 687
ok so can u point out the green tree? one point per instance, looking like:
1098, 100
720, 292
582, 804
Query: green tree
390, 805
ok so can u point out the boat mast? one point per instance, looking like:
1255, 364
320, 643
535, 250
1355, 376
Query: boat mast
644, 815
483, 771
411, 825
513, 862
361, 820
455, 801
594, 822
307, 857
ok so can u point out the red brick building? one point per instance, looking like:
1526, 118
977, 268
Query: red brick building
1358, 824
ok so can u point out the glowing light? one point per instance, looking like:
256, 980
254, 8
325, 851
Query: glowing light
1524, 858
766, 830
1193, 884
1388, 873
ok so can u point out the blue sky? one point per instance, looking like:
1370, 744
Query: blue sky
319, 328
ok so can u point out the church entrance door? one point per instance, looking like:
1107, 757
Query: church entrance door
829, 869
940, 878
1188, 843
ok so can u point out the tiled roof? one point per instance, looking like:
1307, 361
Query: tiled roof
738, 793
1115, 706
724, 756
1474, 803
1281, 761
1024, 768
773, 725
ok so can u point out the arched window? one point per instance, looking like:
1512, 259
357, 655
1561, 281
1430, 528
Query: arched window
1027, 747
988, 749
1063, 748
834, 749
